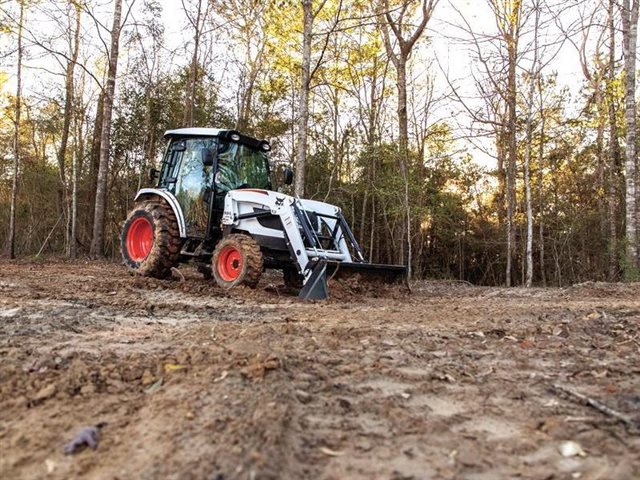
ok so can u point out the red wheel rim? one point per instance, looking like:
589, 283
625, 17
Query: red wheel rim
229, 264
140, 239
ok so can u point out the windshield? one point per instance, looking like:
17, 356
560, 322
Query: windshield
240, 166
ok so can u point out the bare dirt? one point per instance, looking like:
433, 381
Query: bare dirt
451, 382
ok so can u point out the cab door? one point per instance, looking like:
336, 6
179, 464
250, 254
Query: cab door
193, 181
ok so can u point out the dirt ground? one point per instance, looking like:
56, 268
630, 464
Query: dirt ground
450, 381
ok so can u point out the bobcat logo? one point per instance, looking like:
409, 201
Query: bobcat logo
279, 201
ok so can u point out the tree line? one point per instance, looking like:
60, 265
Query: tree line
499, 176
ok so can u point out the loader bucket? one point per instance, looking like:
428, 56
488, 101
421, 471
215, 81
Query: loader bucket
316, 287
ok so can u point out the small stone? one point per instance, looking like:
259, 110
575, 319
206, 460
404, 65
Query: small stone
44, 393
467, 458
147, 378
88, 389
51, 465
571, 449
302, 396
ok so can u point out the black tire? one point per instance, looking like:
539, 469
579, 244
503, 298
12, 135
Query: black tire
163, 253
292, 279
237, 260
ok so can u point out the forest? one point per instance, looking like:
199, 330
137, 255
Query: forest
448, 131
436, 276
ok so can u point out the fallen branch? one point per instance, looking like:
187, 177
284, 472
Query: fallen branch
630, 423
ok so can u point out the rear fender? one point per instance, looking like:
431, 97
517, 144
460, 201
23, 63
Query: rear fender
171, 200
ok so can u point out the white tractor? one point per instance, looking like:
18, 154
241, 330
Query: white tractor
214, 204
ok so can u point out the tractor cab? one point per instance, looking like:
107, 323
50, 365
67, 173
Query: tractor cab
201, 165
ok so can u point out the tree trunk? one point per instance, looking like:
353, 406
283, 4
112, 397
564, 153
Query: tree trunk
97, 243
527, 184
305, 83
629, 35
399, 60
66, 126
612, 174
541, 260
403, 140
11, 244
73, 244
501, 159
81, 132
403, 123
193, 71
245, 110
507, 16
94, 164
511, 159
533, 74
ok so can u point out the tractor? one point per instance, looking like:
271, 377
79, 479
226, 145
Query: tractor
213, 203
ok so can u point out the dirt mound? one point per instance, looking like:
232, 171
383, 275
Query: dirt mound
605, 290
356, 287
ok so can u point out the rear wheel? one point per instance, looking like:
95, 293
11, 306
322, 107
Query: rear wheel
150, 240
237, 260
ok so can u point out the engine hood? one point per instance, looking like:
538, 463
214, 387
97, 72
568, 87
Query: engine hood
270, 198
254, 198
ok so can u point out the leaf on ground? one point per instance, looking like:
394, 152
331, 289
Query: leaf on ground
593, 315
154, 388
172, 367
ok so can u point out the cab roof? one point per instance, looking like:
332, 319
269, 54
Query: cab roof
196, 132
225, 134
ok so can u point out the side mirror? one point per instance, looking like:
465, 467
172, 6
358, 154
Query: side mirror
207, 157
153, 174
288, 176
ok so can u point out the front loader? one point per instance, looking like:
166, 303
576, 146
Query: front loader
214, 204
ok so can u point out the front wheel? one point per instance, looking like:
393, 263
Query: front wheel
150, 240
237, 260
